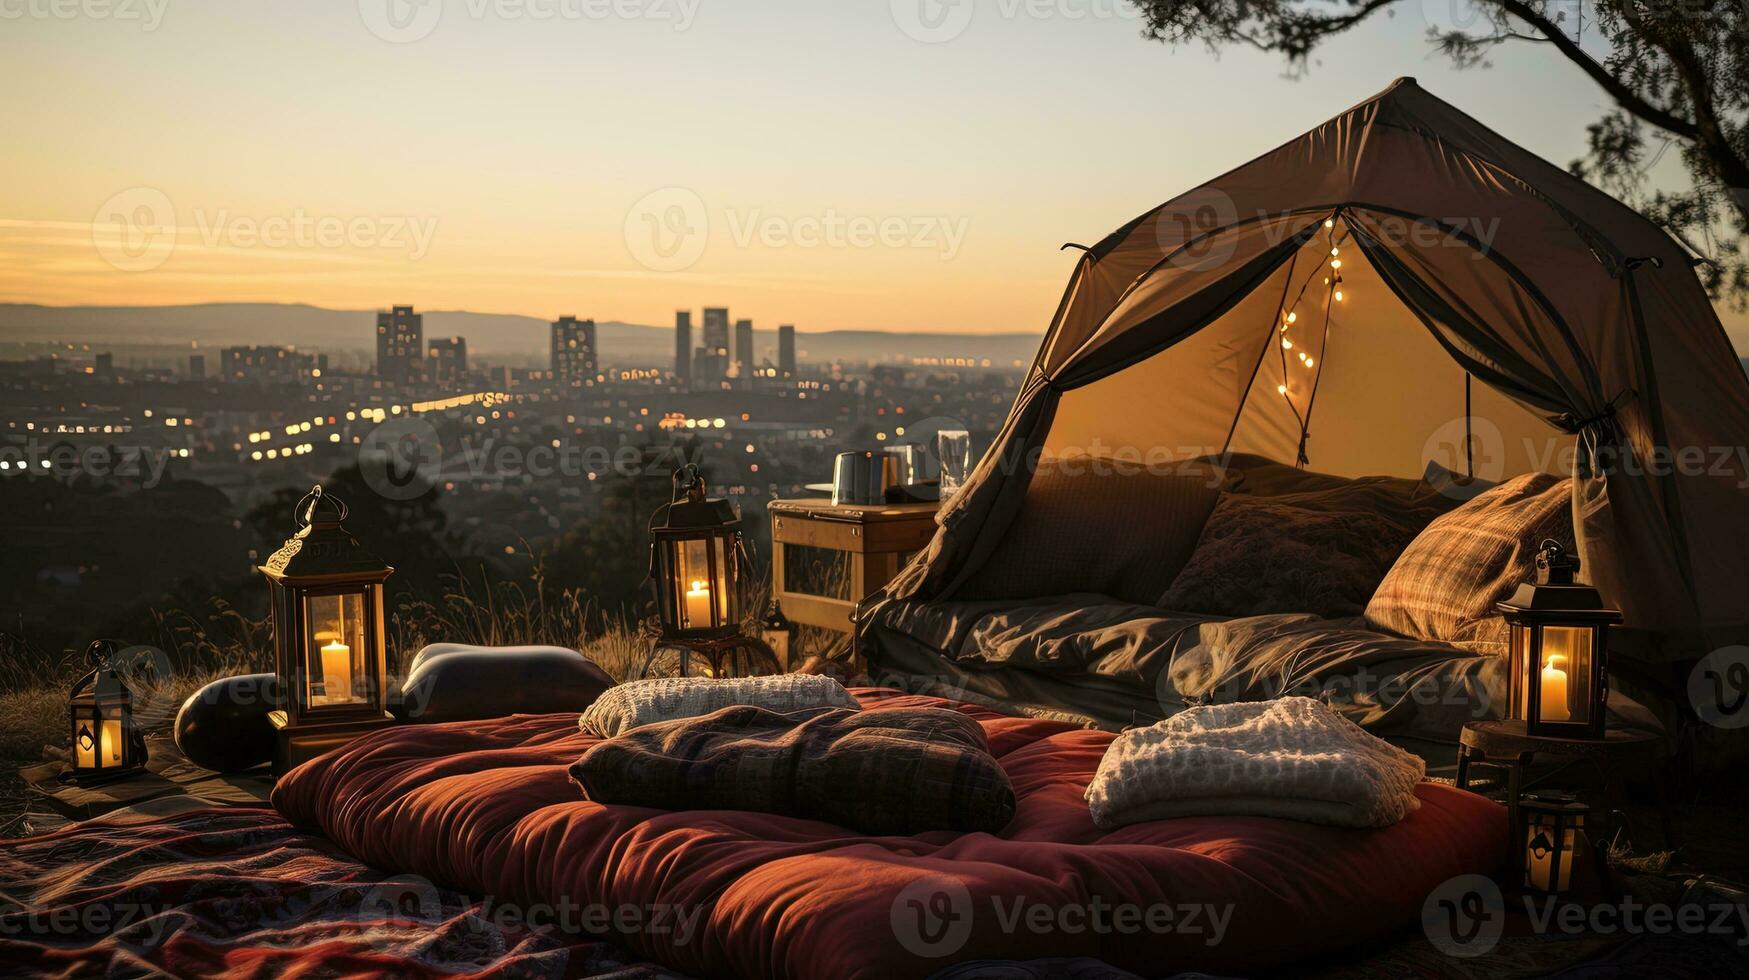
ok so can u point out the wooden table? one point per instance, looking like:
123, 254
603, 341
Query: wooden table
875, 539
1506, 745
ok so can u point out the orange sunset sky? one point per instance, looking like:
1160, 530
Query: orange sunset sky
849, 164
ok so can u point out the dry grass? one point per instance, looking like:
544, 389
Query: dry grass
193, 649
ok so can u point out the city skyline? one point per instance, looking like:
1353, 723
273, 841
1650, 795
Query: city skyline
499, 191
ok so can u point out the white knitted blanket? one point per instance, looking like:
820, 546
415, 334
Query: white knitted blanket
624, 707
1293, 758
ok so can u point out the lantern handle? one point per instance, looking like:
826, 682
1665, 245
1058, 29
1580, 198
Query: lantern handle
100, 655
688, 480
305, 512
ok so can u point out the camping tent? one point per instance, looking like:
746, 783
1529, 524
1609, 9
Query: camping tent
1495, 314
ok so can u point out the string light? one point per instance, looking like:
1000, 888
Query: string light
1281, 389
1338, 295
1286, 344
1335, 263
1329, 222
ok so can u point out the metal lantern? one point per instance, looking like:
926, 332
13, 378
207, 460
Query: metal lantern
101, 711
695, 562
1559, 644
776, 630
326, 595
1554, 840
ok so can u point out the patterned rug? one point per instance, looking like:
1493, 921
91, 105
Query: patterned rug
203, 892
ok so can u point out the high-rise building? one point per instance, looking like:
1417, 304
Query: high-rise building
574, 361
105, 366
716, 344
683, 344
400, 345
744, 348
197, 367
449, 360
265, 364
786, 351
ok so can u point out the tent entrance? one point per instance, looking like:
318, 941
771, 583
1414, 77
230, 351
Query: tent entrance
1323, 363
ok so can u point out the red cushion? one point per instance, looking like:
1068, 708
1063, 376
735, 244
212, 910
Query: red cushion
487, 807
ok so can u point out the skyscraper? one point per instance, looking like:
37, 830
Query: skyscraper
683, 344
713, 365
786, 351
449, 360
574, 351
197, 367
744, 348
400, 345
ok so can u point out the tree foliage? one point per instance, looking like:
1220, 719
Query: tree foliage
1676, 70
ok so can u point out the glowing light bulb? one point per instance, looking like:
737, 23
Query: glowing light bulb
1338, 295
1286, 344
1292, 316
1281, 389
1335, 251
1309, 362
1335, 263
1329, 222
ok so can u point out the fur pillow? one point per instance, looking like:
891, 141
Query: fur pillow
1447, 581
1321, 552
644, 702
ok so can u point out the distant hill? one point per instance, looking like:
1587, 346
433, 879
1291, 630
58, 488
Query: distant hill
490, 335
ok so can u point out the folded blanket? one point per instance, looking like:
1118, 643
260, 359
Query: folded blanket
896, 771
635, 703
1294, 758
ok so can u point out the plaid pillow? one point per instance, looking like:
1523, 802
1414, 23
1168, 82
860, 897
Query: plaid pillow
889, 771
626, 706
1445, 584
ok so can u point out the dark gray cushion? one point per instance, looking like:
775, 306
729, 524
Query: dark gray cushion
452, 682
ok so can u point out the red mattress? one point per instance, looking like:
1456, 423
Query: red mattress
486, 807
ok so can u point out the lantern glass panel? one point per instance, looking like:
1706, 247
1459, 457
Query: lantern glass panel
1564, 674
1518, 648
335, 671
97, 741
1551, 842
703, 585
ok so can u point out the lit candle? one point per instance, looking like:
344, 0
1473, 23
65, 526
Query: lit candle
1554, 689
337, 672
111, 745
698, 605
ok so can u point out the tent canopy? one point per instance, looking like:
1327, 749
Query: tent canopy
1496, 315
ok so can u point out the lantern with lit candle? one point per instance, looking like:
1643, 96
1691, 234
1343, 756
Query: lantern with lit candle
1559, 645
697, 563
326, 595
1554, 840
105, 742
696, 553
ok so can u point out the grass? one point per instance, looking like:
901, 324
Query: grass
194, 649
